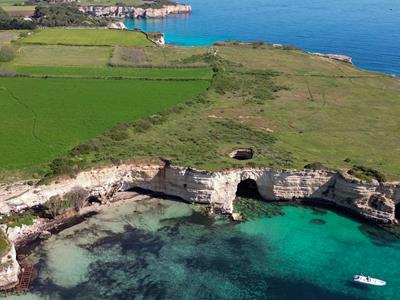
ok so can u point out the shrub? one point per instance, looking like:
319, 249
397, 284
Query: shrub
366, 174
7, 53
15, 219
83, 149
315, 166
71, 200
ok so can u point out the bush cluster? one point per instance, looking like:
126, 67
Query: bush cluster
366, 174
64, 15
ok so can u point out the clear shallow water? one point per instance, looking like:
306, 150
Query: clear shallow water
367, 30
159, 249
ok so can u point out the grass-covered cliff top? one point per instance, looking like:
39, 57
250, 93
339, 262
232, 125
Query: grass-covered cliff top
290, 107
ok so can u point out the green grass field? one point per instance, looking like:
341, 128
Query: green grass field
87, 37
55, 55
129, 73
42, 119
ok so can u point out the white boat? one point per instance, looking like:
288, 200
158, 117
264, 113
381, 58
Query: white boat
368, 280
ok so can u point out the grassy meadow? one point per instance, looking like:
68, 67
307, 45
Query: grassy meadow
89, 104
87, 37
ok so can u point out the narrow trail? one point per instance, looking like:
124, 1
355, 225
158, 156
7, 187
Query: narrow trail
34, 114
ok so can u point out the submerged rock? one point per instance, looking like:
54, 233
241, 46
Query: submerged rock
318, 221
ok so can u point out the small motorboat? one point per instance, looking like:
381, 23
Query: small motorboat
368, 280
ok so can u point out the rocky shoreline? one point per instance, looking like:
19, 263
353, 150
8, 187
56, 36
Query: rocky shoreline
132, 12
372, 201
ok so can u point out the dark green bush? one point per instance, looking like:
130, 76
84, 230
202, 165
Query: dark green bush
315, 166
366, 174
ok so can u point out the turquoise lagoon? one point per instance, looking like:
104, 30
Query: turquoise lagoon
367, 30
162, 249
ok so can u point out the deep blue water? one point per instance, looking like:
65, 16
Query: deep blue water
367, 30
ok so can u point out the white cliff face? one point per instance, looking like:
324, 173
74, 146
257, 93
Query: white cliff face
372, 201
9, 269
123, 12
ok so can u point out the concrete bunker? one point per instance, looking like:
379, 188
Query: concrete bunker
242, 154
248, 189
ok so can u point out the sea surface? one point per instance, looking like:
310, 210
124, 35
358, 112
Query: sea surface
163, 249
367, 30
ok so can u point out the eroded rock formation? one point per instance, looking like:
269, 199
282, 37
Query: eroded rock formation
373, 201
123, 12
9, 269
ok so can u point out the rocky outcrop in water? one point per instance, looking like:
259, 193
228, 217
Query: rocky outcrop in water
125, 12
373, 201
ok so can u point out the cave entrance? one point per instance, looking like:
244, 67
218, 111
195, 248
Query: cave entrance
248, 189
397, 211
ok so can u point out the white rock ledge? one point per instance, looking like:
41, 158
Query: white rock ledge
373, 201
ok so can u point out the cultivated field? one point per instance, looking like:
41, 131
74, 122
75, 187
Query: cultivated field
7, 36
55, 55
42, 119
13, 10
163, 57
88, 37
127, 73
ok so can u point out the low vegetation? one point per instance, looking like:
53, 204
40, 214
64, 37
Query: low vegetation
367, 174
4, 244
18, 219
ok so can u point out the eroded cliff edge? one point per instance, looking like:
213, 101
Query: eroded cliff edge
373, 201
125, 12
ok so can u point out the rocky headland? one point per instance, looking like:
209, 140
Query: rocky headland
132, 12
373, 201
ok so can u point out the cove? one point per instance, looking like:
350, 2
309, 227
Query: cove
367, 30
163, 249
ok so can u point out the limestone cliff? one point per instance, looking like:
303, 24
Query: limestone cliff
125, 12
374, 201
9, 269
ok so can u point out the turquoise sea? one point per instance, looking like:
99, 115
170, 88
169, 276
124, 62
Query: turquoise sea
162, 249
367, 30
